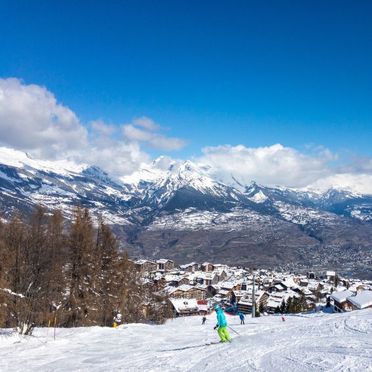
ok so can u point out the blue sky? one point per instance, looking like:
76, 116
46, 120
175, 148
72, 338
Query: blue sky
210, 73
213, 72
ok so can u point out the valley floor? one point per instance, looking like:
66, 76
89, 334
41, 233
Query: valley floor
317, 342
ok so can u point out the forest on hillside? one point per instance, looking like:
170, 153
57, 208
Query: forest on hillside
54, 273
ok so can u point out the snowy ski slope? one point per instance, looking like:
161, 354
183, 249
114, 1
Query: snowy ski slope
319, 342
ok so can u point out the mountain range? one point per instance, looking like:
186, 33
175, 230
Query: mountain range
179, 210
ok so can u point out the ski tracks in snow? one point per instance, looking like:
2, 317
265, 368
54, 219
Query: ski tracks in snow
318, 342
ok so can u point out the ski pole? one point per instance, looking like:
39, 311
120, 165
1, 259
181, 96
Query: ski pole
233, 330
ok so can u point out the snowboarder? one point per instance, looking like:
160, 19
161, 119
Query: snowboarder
221, 325
241, 316
204, 319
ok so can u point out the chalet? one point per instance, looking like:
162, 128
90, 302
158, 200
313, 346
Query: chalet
208, 267
331, 275
188, 291
211, 290
279, 287
227, 288
145, 266
340, 302
223, 270
290, 282
275, 300
175, 280
221, 274
362, 300
304, 282
190, 267
203, 307
183, 306
207, 278
164, 265
239, 294
357, 287
244, 285
245, 303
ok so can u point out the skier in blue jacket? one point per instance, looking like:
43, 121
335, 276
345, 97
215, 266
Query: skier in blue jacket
241, 316
221, 325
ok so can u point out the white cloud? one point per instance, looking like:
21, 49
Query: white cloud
145, 130
101, 128
285, 166
112, 153
357, 183
270, 165
146, 123
31, 119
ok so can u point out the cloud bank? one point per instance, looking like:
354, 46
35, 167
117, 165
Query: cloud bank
32, 120
270, 165
278, 165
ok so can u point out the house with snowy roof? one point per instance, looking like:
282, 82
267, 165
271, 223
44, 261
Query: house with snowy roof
245, 303
145, 266
340, 302
331, 275
207, 278
175, 280
362, 300
207, 266
188, 291
190, 267
164, 264
275, 300
183, 306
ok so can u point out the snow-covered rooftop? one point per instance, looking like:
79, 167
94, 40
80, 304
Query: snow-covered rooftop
341, 296
362, 299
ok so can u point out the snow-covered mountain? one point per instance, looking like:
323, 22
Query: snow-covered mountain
178, 209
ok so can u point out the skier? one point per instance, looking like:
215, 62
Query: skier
204, 319
241, 316
221, 325
117, 320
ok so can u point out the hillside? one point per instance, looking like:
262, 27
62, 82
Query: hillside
318, 342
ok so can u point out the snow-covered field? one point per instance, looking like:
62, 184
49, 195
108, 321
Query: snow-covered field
319, 342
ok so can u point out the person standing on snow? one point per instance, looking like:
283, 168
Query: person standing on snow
203, 320
221, 325
241, 316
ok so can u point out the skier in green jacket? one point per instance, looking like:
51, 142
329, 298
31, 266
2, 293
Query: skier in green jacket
221, 325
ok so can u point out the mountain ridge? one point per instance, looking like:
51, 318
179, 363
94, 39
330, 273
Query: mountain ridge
178, 209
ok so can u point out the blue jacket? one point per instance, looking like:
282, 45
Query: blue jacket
221, 319
241, 316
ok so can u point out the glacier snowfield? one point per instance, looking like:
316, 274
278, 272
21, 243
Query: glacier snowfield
316, 342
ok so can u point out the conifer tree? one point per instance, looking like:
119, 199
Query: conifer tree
4, 257
58, 261
15, 240
289, 305
80, 269
283, 307
109, 275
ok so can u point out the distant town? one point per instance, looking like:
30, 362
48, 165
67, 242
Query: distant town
193, 288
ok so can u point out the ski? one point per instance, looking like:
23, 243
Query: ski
193, 346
